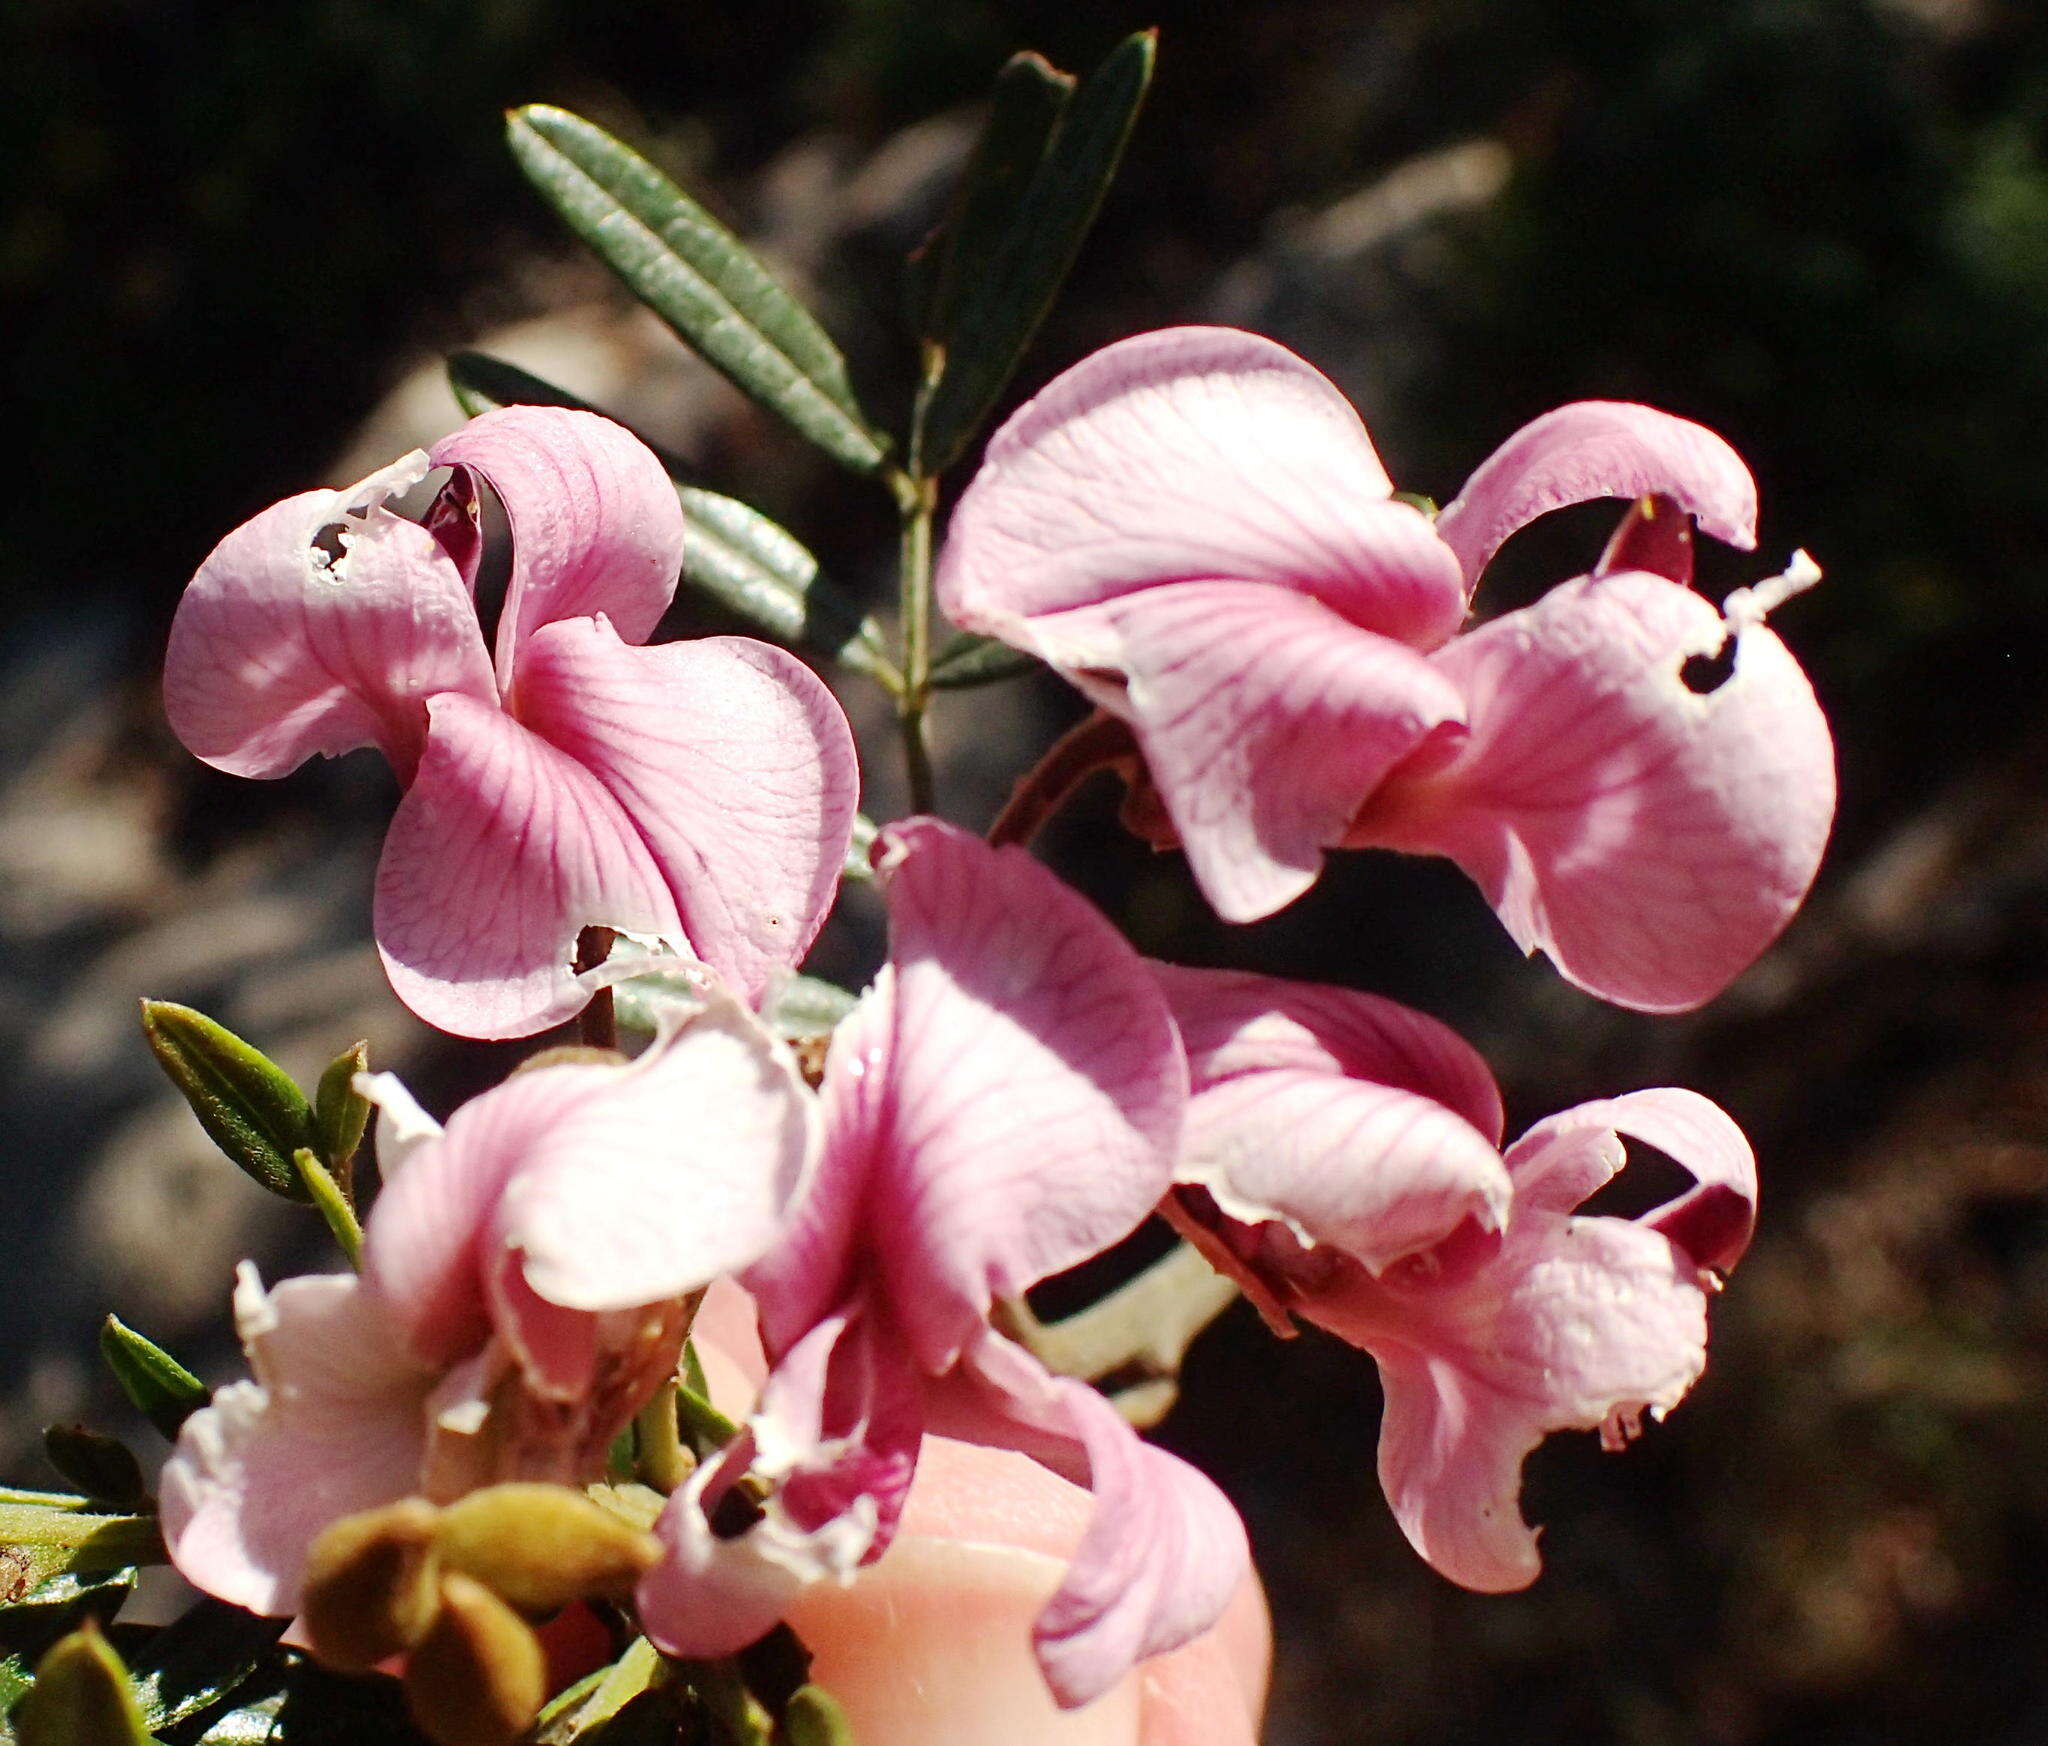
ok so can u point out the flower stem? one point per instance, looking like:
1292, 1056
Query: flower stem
1094, 743
916, 500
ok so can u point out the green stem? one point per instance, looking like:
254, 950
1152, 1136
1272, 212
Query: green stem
916, 499
333, 1204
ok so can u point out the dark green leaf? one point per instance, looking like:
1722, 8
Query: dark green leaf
1016, 283
160, 1388
247, 1104
970, 660
340, 1112
1024, 108
81, 1697
482, 384
200, 1661
698, 277
807, 1007
100, 1466
49, 1534
30, 1625
296, 1703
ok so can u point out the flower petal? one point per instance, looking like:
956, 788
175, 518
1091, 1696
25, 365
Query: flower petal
1235, 1022
333, 1424
1034, 1084
1598, 448
735, 766
596, 525
1653, 839
1266, 721
502, 851
1187, 454
278, 652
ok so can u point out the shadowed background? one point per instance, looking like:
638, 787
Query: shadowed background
235, 240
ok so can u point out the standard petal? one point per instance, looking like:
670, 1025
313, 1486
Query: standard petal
1266, 721
502, 851
1234, 1022
1034, 1086
596, 525
1654, 839
1598, 448
1191, 453
280, 651
1366, 1169
333, 1424
735, 767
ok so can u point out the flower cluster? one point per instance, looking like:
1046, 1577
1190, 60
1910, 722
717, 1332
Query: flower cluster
1194, 529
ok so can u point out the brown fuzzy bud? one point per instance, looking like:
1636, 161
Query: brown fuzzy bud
372, 1585
542, 1546
479, 1676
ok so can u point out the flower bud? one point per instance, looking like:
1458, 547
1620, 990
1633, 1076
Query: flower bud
81, 1697
372, 1585
479, 1676
540, 1547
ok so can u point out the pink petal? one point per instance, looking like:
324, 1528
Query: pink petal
1189, 454
1372, 1171
1235, 1022
1652, 839
1598, 448
332, 1425
735, 766
1266, 721
1164, 1550
1034, 1084
596, 525
277, 654
502, 851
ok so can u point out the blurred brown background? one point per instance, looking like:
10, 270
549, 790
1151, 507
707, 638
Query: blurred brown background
235, 239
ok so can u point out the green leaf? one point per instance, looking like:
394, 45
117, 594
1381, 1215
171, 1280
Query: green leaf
326, 1194
1029, 97
969, 660
698, 277
200, 1660
735, 554
100, 1466
247, 1104
593, 1702
158, 1386
296, 1703
1016, 282
58, 1535
81, 1697
341, 1113
808, 1007
30, 1625
814, 1718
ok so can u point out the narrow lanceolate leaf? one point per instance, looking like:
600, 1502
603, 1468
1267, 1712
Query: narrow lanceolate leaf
1029, 97
61, 1537
200, 1661
156, 1384
809, 1007
81, 1697
340, 1112
1011, 289
734, 554
698, 277
102, 1467
970, 660
247, 1104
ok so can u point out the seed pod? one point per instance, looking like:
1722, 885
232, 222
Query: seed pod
479, 1676
540, 1547
372, 1585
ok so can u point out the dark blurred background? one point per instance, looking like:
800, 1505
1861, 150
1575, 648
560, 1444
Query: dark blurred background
235, 240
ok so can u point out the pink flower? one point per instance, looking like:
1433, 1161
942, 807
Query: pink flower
701, 793
1194, 528
1342, 1159
519, 1298
1004, 1104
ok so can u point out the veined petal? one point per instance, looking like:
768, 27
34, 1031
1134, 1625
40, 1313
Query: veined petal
502, 851
1234, 1022
596, 525
1652, 838
1266, 721
734, 766
1375, 1172
334, 1424
1184, 455
1034, 1084
1598, 448
279, 651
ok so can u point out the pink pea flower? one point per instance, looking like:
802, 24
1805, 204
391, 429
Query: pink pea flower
701, 793
1342, 1159
1194, 528
519, 1298
1005, 1103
